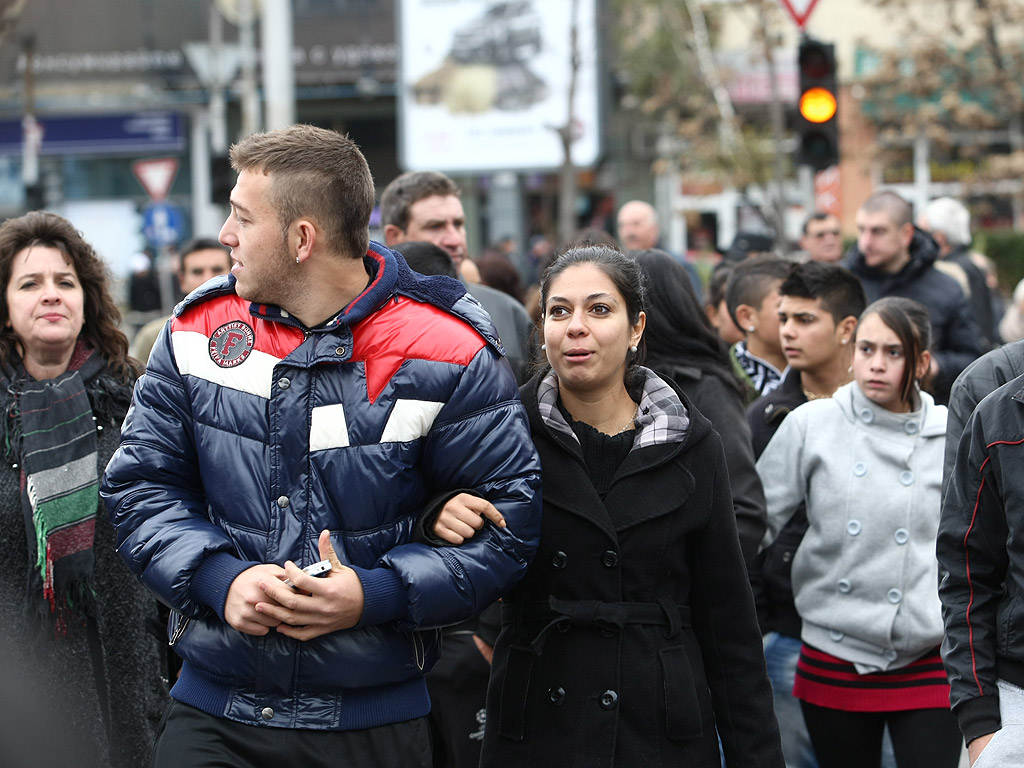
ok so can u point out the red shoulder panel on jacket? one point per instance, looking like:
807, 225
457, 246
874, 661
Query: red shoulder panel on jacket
218, 317
405, 329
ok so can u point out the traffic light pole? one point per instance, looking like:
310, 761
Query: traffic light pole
778, 123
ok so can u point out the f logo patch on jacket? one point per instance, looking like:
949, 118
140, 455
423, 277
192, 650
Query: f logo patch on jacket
231, 344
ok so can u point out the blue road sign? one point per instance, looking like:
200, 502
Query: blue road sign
163, 223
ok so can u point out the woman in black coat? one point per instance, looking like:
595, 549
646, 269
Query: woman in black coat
632, 639
682, 345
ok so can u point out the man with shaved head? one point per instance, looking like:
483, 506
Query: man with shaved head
638, 229
892, 257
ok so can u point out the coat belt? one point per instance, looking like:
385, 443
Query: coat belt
613, 617
556, 613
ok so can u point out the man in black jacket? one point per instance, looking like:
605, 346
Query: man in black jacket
980, 378
818, 310
981, 567
894, 258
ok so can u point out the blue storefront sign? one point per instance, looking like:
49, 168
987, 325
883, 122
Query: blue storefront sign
131, 133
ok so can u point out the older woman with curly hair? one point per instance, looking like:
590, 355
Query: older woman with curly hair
75, 624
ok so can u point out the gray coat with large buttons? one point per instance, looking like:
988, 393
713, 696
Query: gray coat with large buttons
865, 575
632, 637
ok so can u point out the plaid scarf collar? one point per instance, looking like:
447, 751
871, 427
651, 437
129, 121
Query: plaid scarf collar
661, 417
52, 436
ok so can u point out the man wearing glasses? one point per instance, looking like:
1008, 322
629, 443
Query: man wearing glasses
822, 238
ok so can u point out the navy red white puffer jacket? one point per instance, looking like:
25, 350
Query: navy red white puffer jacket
249, 434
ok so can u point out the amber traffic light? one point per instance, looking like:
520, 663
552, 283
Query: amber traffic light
818, 105
817, 125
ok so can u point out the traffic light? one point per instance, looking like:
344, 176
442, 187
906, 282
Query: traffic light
817, 123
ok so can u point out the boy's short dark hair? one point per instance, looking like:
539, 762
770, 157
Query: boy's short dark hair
839, 290
752, 280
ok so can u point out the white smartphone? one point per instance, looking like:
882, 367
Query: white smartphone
316, 569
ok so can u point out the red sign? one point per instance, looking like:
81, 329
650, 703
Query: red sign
800, 10
156, 176
827, 192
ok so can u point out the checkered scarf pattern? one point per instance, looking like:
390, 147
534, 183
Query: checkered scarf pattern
661, 418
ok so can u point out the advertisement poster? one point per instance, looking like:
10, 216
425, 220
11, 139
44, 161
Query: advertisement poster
484, 84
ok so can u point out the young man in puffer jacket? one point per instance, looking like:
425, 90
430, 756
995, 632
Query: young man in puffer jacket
316, 404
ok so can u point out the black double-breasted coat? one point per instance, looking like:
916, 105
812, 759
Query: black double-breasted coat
632, 639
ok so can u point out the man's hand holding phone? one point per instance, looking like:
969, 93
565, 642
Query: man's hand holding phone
243, 595
316, 605
316, 569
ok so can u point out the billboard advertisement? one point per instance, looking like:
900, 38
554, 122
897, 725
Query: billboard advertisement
484, 84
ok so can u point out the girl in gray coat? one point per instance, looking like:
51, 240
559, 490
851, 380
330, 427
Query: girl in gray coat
868, 464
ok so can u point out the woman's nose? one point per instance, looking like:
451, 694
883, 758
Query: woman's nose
576, 324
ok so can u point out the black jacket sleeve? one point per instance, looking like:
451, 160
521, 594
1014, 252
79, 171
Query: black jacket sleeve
972, 551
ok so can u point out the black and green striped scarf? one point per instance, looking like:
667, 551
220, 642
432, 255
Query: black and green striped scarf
56, 453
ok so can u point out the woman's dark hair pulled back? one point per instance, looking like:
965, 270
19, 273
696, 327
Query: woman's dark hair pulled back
621, 269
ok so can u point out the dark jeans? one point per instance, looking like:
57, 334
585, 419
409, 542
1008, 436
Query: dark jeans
190, 738
921, 738
458, 695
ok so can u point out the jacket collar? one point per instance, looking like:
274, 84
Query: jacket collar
923, 253
777, 404
382, 267
929, 419
389, 275
662, 417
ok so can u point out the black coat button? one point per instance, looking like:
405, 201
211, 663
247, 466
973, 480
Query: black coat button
609, 700
560, 560
556, 696
610, 559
